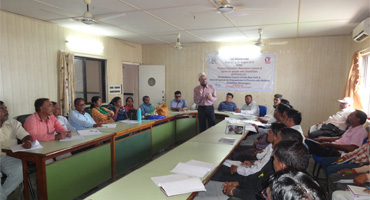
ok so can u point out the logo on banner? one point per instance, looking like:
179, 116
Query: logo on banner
213, 61
268, 60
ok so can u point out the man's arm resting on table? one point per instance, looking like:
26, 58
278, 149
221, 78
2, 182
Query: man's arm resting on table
341, 147
27, 142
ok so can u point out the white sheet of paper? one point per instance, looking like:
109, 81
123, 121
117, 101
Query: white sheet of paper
35, 145
130, 121
89, 132
208, 165
75, 137
159, 180
190, 170
344, 181
108, 126
250, 128
358, 192
226, 140
253, 122
183, 186
228, 163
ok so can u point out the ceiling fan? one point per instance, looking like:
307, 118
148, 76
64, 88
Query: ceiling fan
87, 18
178, 44
260, 42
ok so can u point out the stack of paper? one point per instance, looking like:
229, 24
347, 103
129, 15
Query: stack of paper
75, 137
226, 140
182, 186
358, 192
194, 168
108, 126
35, 145
89, 132
130, 121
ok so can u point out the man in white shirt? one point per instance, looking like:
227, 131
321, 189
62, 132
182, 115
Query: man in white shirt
336, 124
61, 119
269, 117
250, 107
10, 130
292, 118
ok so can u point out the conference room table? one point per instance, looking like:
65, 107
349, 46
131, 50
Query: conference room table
100, 158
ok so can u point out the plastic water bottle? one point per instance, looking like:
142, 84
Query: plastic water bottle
138, 114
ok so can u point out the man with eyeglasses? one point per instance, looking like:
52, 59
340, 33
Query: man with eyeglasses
79, 118
179, 104
10, 130
42, 124
204, 97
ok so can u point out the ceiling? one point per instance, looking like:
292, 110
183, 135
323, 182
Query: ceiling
158, 21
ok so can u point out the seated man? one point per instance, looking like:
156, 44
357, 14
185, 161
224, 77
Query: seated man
228, 105
336, 124
146, 107
178, 103
42, 124
349, 141
269, 117
294, 184
286, 154
250, 107
292, 118
359, 175
356, 157
81, 119
10, 130
61, 119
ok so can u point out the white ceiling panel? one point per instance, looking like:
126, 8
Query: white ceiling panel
171, 37
141, 23
159, 4
326, 28
184, 18
319, 10
285, 12
275, 31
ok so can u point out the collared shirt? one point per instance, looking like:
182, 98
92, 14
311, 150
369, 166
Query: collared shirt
145, 108
339, 119
179, 104
359, 155
224, 106
201, 98
354, 135
251, 109
9, 132
257, 165
299, 129
65, 123
269, 117
43, 130
81, 120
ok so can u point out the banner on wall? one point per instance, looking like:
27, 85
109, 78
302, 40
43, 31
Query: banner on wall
241, 74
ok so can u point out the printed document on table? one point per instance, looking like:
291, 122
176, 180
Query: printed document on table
226, 140
75, 137
35, 145
208, 165
130, 121
89, 132
190, 170
182, 186
108, 126
159, 180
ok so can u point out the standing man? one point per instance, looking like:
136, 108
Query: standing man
10, 130
204, 97
178, 103
250, 107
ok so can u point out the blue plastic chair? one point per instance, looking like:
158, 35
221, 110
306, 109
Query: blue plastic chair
263, 110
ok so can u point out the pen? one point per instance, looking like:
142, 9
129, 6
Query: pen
368, 187
348, 172
261, 175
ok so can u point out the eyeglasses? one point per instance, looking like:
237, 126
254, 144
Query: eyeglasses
178, 96
203, 79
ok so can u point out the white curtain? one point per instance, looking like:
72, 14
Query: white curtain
365, 84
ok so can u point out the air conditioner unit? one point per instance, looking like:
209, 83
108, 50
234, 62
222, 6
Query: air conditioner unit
362, 31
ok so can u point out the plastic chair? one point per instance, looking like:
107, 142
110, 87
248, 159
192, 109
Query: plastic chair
22, 118
263, 110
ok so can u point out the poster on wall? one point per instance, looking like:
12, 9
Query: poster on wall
241, 74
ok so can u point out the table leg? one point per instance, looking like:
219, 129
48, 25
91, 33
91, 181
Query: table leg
41, 179
25, 180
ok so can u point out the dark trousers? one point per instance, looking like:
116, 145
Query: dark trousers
206, 113
327, 130
317, 150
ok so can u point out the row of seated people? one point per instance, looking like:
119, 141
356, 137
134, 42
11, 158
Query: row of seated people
284, 147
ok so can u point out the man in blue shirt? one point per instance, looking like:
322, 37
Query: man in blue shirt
79, 118
145, 107
179, 104
228, 105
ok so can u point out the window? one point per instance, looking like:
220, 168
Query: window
364, 89
90, 78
